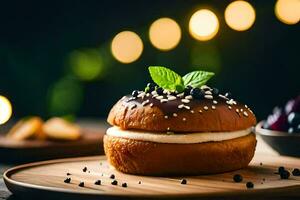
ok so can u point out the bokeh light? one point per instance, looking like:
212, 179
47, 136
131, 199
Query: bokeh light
288, 11
239, 15
127, 47
5, 109
203, 25
86, 64
164, 34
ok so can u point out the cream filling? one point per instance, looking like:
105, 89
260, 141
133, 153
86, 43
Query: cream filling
186, 138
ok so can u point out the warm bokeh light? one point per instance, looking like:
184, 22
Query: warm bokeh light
288, 11
86, 64
239, 15
5, 109
203, 25
164, 34
127, 47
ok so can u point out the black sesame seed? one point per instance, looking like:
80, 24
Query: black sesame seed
124, 184
68, 174
284, 174
160, 91
228, 95
296, 172
81, 184
112, 176
237, 178
67, 180
249, 185
215, 91
135, 93
197, 93
84, 169
150, 87
280, 169
98, 182
187, 90
114, 182
183, 181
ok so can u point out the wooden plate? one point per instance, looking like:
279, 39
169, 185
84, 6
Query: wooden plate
12, 151
46, 179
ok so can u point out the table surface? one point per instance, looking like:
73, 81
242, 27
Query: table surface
262, 147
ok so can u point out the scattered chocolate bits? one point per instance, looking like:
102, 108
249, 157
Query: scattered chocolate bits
296, 172
84, 169
114, 182
183, 181
284, 174
261, 164
124, 184
237, 178
98, 182
67, 180
249, 185
281, 169
112, 176
81, 184
140, 182
68, 174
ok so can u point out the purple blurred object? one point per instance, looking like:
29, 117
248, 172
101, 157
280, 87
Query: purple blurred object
293, 105
277, 121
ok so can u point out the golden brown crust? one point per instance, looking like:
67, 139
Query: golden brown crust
148, 158
223, 117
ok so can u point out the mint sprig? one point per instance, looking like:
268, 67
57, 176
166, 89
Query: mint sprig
170, 80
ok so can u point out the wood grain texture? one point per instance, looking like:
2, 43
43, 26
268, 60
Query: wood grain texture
47, 178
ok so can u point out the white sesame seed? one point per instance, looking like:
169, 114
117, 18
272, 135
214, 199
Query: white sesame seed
148, 94
189, 97
251, 111
185, 100
222, 96
229, 107
132, 106
153, 115
208, 92
192, 111
213, 107
246, 106
145, 102
208, 97
230, 102
242, 110
166, 117
180, 95
245, 113
168, 128
187, 107
163, 100
200, 111
174, 115
184, 119
159, 97
237, 110
171, 98
154, 92
215, 102
180, 106
142, 94
203, 87
151, 104
166, 92
154, 96
205, 108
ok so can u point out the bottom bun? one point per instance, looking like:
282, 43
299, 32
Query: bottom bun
149, 158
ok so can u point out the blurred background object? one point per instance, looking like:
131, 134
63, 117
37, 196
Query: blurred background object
78, 58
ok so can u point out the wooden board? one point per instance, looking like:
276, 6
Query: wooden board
47, 179
12, 151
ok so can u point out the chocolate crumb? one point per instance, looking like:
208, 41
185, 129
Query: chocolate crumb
124, 184
68, 174
67, 180
183, 181
81, 184
84, 169
249, 185
89, 172
284, 174
281, 169
296, 172
98, 182
264, 179
237, 178
112, 176
140, 182
114, 182
261, 164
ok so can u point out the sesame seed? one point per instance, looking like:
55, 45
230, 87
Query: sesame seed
145, 102
222, 96
215, 102
213, 107
245, 113
154, 96
132, 106
205, 108
242, 110
180, 106
246, 106
208, 97
163, 100
187, 107
168, 128
154, 92
147, 95
184, 119
185, 101
203, 87
153, 115
180, 95
142, 94
159, 97
200, 111
166, 117
189, 97
229, 107
230, 102
151, 104
174, 115
171, 98
192, 111
208, 92
237, 110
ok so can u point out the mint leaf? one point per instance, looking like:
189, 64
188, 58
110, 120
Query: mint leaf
166, 78
197, 78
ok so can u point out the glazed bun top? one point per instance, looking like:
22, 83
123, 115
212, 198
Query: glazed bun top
201, 109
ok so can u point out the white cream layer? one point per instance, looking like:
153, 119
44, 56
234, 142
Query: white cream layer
187, 138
